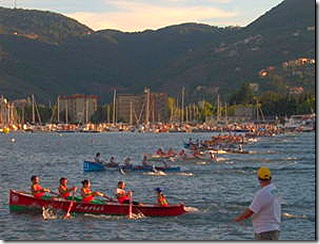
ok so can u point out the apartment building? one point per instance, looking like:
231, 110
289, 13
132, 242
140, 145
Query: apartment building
146, 108
77, 108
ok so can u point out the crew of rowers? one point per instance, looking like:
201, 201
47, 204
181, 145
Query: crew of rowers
195, 153
182, 154
88, 195
111, 163
170, 153
126, 162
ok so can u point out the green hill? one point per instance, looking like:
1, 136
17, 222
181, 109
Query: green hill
39, 25
48, 54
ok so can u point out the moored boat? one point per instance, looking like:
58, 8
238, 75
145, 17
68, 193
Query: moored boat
21, 201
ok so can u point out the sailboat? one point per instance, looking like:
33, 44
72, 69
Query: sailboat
36, 125
64, 127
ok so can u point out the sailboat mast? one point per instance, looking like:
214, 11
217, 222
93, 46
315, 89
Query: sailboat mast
66, 112
182, 105
131, 118
148, 106
58, 109
33, 109
108, 113
226, 113
114, 106
87, 111
218, 108
257, 109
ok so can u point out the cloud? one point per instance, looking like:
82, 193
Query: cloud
138, 16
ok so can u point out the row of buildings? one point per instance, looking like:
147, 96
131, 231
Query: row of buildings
127, 108
147, 107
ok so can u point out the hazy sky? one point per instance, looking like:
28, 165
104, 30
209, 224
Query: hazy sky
138, 15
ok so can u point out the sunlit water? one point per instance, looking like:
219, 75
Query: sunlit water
219, 191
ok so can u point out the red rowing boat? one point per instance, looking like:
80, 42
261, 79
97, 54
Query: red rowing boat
25, 201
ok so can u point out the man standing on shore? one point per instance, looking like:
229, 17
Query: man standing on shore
265, 209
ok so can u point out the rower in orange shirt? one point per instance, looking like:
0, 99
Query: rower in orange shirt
171, 152
160, 152
87, 194
36, 189
63, 188
161, 199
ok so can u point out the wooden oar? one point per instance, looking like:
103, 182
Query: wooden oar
106, 197
109, 198
54, 193
130, 205
154, 169
51, 192
121, 171
67, 215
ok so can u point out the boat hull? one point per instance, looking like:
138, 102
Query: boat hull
139, 168
156, 157
24, 201
89, 166
92, 166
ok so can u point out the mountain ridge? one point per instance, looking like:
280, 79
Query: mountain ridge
72, 58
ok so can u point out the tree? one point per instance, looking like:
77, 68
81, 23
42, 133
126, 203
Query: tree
244, 95
206, 109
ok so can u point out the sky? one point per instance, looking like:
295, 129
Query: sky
139, 15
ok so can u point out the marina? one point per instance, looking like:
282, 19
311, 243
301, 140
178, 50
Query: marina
158, 121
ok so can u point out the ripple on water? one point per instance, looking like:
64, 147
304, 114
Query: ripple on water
219, 190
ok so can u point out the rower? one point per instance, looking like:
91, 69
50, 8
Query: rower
97, 158
240, 148
127, 161
87, 194
145, 161
112, 162
171, 153
161, 199
160, 152
63, 188
182, 153
213, 156
166, 164
122, 195
36, 189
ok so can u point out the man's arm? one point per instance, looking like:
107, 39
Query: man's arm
246, 214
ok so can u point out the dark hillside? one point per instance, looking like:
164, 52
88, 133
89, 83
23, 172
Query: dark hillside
285, 16
45, 26
286, 32
47, 54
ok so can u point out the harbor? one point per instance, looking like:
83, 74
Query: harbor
158, 121
76, 114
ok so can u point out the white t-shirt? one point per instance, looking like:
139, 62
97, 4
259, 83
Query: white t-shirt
267, 210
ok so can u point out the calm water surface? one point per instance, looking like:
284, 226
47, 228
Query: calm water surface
219, 191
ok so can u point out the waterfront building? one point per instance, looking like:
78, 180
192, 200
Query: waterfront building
128, 108
147, 108
244, 113
77, 108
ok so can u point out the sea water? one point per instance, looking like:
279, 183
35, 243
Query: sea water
215, 192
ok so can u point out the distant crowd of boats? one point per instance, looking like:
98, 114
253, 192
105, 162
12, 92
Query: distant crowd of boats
296, 123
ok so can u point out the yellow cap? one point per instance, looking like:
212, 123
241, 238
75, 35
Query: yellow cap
264, 173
